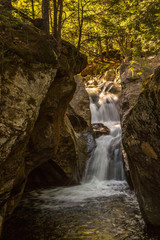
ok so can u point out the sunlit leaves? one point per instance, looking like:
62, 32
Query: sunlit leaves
131, 25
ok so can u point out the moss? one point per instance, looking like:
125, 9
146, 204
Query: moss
22, 42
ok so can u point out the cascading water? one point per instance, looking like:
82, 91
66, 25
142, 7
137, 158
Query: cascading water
104, 172
106, 164
100, 208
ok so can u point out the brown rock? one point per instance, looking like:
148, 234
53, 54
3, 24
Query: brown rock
109, 75
79, 107
131, 82
141, 142
100, 129
36, 88
75, 143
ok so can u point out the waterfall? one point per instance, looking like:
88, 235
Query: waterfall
104, 171
106, 163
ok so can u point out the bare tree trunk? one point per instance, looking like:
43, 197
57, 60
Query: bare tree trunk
107, 47
100, 48
51, 19
33, 12
46, 16
42, 9
60, 3
55, 7
126, 52
80, 22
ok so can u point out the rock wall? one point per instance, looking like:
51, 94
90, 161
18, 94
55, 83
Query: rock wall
36, 84
140, 104
75, 144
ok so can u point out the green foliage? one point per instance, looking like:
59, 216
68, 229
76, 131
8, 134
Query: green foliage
131, 26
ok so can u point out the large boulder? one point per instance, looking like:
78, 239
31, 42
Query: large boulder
75, 144
132, 75
141, 131
99, 129
79, 108
36, 87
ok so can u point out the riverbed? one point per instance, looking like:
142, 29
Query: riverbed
56, 214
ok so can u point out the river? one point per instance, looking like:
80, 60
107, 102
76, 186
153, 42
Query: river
101, 207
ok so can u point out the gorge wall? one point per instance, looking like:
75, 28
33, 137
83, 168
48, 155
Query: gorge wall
37, 84
140, 104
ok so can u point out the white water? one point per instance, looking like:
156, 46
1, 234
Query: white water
107, 161
104, 176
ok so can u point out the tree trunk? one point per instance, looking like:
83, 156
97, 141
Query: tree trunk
107, 47
46, 16
80, 22
100, 48
126, 53
33, 12
55, 12
60, 3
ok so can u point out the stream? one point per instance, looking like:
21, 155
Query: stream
102, 207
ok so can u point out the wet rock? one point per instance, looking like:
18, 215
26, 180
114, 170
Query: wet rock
109, 75
131, 82
100, 129
36, 88
46, 175
140, 127
126, 168
94, 94
75, 141
109, 87
79, 106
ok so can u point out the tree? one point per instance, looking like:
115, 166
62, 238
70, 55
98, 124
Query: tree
45, 15
33, 12
80, 22
57, 16
131, 26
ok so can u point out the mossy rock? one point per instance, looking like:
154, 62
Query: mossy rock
22, 42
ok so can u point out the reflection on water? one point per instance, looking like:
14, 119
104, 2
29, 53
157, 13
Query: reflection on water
57, 214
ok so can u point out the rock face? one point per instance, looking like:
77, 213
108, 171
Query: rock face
132, 75
141, 131
100, 129
109, 75
36, 88
79, 106
75, 145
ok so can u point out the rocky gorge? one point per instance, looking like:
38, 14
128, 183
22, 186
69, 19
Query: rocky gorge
37, 84
47, 138
140, 130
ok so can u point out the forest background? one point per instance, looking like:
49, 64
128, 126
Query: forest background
98, 28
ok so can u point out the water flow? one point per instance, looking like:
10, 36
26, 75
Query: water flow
106, 164
104, 171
